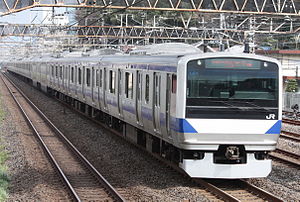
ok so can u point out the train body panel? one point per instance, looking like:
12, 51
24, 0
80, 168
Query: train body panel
201, 106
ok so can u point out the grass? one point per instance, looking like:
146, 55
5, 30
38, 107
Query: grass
4, 179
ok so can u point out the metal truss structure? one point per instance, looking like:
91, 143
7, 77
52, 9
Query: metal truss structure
258, 7
127, 33
215, 21
228, 27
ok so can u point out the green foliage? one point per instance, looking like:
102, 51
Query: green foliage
270, 41
4, 179
292, 85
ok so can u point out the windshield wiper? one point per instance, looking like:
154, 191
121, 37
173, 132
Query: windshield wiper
234, 106
257, 106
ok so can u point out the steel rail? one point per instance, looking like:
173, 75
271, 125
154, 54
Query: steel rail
295, 157
264, 194
289, 121
290, 135
112, 191
45, 148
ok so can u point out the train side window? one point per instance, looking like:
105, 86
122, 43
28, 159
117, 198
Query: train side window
112, 79
101, 78
72, 74
174, 83
157, 90
97, 78
68, 72
88, 77
129, 85
60, 72
79, 75
52, 71
65, 72
139, 90
93, 77
56, 71
147, 88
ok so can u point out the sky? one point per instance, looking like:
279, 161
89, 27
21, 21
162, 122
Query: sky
31, 16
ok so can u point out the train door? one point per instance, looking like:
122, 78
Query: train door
120, 106
156, 102
139, 98
168, 102
104, 88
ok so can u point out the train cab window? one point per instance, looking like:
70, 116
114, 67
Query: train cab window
174, 83
79, 75
129, 85
97, 78
88, 77
112, 81
72, 74
147, 88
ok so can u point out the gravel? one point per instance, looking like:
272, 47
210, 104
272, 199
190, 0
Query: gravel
290, 145
284, 180
31, 175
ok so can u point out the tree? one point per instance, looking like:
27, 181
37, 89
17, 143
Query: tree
292, 85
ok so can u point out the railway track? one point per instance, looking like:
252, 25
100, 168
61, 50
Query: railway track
228, 190
82, 180
240, 190
286, 157
291, 136
292, 122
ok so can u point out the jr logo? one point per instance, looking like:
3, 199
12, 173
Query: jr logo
271, 116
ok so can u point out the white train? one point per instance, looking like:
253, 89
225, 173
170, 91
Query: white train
216, 115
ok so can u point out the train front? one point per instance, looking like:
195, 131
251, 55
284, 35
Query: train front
230, 117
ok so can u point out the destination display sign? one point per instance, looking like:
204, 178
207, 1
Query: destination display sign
232, 63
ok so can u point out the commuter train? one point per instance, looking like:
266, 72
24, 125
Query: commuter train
216, 115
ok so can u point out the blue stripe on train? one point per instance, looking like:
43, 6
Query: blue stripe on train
275, 129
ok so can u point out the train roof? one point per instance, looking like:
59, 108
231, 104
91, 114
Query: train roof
171, 59
230, 54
